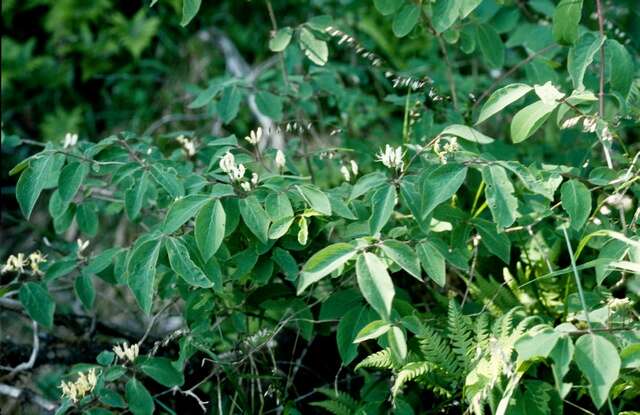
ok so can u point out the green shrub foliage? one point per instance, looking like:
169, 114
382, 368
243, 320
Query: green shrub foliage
393, 206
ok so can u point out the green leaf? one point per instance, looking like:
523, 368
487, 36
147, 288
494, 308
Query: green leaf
229, 103
314, 49
562, 355
405, 20
134, 197
111, 398
70, 180
432, 262
168, 180
85, 291
210, 228
445, 14
372, 330
630, 356
403, 255
59, 269
182, 210
278, 206
142, 272
139, 398
533, 345
348, 327
529, 119
566, 20
496, 242
468, 6
87, 218
375, 283
397, 342
37, 302
581, 55
270, 105
286, 262
501, 98
182, 264
382, 204
189, 10
598, 360
280, 227
619, 66
303, 233
281, 39
162, 371
255, 218
386, 7
440, 185
576, 201
324, 262
316, 199
499, 193
467, 133
32, 181
491, 46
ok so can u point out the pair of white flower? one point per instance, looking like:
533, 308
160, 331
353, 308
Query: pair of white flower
391, 158
19, 262
254, 137
85, 383
236, 172
188, 145
126, 352
70, 140
346, 173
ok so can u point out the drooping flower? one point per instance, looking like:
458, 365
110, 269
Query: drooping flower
254, 137
85, 383
391, 158
70, 140
280, 159
126, 352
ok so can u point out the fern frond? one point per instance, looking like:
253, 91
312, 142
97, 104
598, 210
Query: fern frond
339, 403
461, 335
436, 350
482, 331
408, 373
380, 360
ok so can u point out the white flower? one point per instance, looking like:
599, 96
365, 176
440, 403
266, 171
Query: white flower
280, 159
246, 186
70, 140
254, 179
571, 122
82, 245
86, 382
589, 124
35, 259
391, 158
354, 167
623, 202
255, 136
126, 352
14, 263
604, 210
227, 162
345, 173
237, 173
188, 145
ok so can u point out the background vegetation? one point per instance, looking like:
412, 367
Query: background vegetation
435, 209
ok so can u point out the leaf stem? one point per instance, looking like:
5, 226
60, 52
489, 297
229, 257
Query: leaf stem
577, 277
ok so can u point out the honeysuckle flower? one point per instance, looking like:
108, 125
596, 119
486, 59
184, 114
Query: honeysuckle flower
354, 167
589, 125
391, 158
85, 383
280, 159
82, 245
227, 162
70, 140
35, 259
254, 137
188, 145
571, 122
246, 186
126, 352
620, 201
345, 173
254, 179
14, 263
